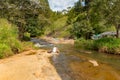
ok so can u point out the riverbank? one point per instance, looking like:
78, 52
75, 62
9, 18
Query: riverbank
58, 40
103, 45
29, 65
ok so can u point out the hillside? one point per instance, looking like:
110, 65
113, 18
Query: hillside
58, 28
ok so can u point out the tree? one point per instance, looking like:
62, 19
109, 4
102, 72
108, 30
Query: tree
84, 24
98, 13
113, 17
109, 10
24, 14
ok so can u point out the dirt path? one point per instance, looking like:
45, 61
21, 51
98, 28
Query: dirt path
25, 66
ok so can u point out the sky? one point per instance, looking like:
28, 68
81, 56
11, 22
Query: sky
59, 5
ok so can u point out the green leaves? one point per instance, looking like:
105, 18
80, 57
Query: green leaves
25, 14
9, 43
81, 29
95, 17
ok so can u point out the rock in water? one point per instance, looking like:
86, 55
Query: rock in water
94, 62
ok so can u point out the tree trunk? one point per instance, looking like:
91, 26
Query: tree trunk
20, 35
117, 31
21, 32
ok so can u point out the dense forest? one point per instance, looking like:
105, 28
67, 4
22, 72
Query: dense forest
21, 20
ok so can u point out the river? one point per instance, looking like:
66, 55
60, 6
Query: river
73, 64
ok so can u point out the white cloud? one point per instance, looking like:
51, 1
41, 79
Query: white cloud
59, 5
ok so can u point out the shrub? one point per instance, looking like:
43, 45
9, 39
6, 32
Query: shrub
5, 50
9, 43
84, 44
26, 36
109, 45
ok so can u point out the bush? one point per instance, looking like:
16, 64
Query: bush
84, 44
5, 50
9, 43
109, 45
26, 36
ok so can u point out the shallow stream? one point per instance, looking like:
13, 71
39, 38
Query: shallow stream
73, 64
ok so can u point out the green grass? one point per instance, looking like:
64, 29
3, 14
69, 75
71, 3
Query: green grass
107, 45
83, 44
9, 44
5, 50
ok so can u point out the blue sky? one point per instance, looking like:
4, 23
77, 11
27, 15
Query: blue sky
59, 5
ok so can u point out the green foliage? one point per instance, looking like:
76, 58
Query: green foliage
26, 36
81, 29
85, 21
25, 14
58, 28
109, 45
5, 50
97, 16
9, 43
65, 32
107, 11
83, 44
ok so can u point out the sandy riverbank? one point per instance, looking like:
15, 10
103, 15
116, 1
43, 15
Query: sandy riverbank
29, 65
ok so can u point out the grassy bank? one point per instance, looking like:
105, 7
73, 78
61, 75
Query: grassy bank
9, 43
58, 28
106, 45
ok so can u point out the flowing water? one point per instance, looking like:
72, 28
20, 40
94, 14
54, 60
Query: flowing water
73, 64
82, 69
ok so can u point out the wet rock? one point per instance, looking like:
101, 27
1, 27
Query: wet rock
95, 63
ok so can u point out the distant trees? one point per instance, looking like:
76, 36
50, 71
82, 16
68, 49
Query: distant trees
94, 17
